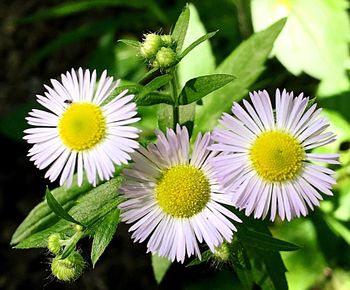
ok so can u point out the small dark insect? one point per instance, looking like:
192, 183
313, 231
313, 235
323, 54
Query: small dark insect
68, 102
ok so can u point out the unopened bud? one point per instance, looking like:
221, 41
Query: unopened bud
167, 40
78, 228
54, 243
222, 253
150, 45
68, 269
165, 57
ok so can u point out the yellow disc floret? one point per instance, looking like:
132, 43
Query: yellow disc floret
183, 191
82, 126
276, 156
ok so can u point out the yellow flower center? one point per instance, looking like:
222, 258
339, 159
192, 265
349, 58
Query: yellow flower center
82, 126
183, 191
276, 156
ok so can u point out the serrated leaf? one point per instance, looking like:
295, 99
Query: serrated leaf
180, 28
265, 242
58, 209
88, 208
130, 42
197, 88
104, 234
246, 63
196, 43
42, 216
160, 266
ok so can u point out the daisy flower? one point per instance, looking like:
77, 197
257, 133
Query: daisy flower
175, 200
266, 161
79, 133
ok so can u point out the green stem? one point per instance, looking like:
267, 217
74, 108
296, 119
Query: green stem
173, 86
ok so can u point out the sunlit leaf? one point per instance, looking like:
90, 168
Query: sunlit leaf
180, 28
193, 65
246, 63
130, 42
197, 88
196, 43
314, 40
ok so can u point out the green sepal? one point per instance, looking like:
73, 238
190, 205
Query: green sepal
197, 88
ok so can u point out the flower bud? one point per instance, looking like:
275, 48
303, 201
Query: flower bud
222, 253
78, 228
68, 269
150, 45
167, 40
165, 57
54, 243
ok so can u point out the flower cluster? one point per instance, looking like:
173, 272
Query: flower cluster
258, 160
158, 50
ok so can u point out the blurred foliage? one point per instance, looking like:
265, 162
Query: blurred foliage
313, 41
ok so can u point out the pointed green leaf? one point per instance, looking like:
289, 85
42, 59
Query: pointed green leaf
265, 242
104, 234
180, 28
193, 65
130, 42
197, 88
42, 216
154, 99
58, 209
160, 266
88, 208
154, 85
197, 42
132, 89
246, 63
